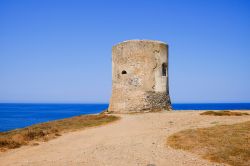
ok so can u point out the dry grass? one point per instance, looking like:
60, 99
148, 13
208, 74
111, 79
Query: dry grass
222, 143
46, 131
224, 113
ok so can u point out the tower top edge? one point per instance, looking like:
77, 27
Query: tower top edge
140, 40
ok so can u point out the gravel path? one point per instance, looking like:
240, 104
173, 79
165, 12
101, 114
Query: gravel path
137, 139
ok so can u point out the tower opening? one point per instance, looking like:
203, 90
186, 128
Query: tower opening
164, 69
124, 72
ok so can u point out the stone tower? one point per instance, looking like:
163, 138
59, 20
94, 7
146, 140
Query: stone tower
139, 77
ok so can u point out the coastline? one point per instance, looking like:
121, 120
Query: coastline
20, 115
179, 110
136, 139
43, 132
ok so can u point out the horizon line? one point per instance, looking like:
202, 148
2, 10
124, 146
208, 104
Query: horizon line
108, 103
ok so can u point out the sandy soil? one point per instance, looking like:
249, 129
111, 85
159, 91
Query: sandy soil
138, 139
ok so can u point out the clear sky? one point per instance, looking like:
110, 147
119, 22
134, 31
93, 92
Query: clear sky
60, 50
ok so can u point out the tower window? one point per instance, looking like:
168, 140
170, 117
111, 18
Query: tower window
124, 72
164, 69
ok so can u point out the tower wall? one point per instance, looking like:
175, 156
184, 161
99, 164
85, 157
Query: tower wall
139, 76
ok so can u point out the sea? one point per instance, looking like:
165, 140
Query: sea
19, 115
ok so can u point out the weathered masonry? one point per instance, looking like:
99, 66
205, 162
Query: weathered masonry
139, 77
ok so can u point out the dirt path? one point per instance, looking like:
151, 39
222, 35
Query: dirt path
138, 139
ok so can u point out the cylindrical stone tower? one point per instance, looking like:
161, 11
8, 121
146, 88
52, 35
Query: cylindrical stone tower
139, 77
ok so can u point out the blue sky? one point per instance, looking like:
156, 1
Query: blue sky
60, 51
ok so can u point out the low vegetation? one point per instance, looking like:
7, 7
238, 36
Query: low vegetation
222, 143
224, 113
50, 130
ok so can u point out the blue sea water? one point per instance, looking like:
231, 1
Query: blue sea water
13, 116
